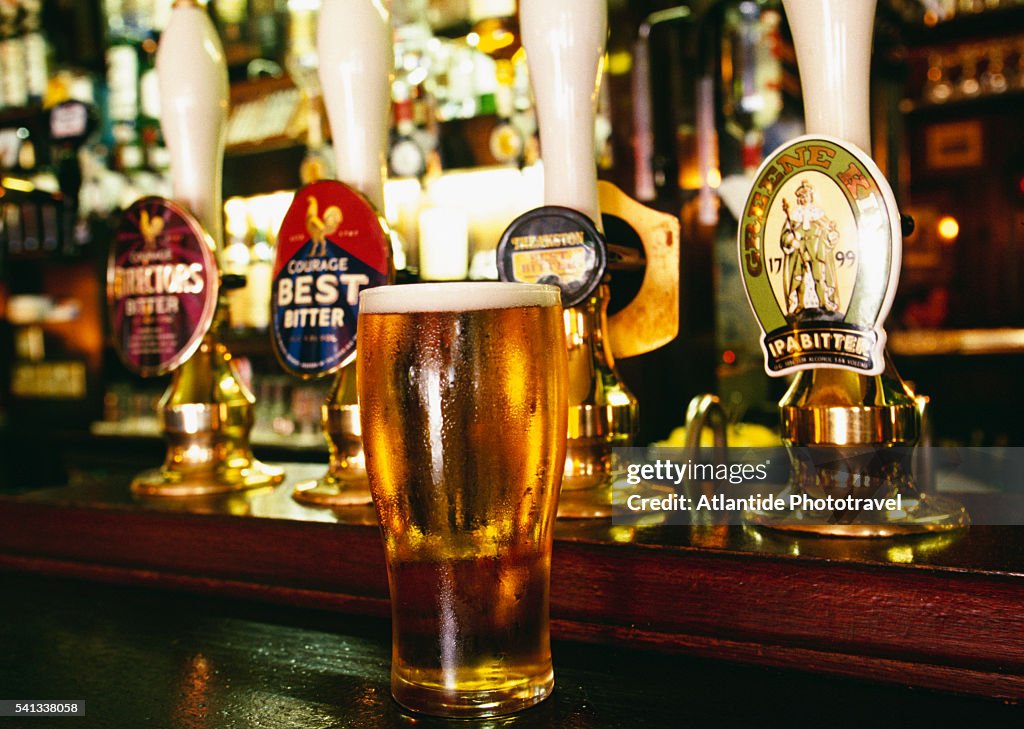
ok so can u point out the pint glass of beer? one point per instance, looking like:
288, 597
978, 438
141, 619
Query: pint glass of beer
462, 393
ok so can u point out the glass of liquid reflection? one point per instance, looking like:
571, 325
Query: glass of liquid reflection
462, 391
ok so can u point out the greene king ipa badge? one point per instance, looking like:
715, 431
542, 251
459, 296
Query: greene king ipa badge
332, 245
820, 245
553, 245
161, 286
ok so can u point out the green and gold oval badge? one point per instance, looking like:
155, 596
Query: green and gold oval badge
820, 246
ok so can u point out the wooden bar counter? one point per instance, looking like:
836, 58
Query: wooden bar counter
251, 610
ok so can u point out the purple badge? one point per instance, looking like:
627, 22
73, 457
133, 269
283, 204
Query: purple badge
161, 286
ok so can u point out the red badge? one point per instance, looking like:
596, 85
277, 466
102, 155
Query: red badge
332, 245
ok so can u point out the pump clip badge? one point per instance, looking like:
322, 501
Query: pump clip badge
553, 245
820, 246
161, 286
331, 246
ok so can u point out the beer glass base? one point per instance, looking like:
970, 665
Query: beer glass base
436, 700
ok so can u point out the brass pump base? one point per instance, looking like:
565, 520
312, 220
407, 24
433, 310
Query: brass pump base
590, 467
176, 483
206, 415
602, 413
876, 473
346, 482
865, 427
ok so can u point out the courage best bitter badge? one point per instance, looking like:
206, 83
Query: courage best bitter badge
332, 244
820, 246
161, 286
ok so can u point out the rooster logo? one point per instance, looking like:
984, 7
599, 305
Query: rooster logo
321, 227
150, 228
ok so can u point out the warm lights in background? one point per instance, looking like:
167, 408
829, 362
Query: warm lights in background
464, 213
15, 183
941, 11
264, 212
948, 228
251, 224
444, 244
490, 199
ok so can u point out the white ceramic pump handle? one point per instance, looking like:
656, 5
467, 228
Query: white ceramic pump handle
354, 46
193, 79
565, 41
833, 49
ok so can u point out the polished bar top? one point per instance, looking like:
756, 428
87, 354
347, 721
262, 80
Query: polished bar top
937, 612
146, 658
993, 549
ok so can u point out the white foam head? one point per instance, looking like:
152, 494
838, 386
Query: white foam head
456, 296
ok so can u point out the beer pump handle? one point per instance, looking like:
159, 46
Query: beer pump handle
565, 41
193, 106
206, 413
833, 48
844, 404
354, 42
818, 172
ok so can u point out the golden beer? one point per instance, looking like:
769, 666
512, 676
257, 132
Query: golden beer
462, 390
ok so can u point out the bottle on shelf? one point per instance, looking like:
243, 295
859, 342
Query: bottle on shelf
132, 128
36, 51
742, 114
266, 17
301, 60
155, 156
232, 18
495, 33
13, 61
235, 260
406, 158
128, 26
507, 142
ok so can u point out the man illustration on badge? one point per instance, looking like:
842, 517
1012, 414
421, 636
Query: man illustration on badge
808, 240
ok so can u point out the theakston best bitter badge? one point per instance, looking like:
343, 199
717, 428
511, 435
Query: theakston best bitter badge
820, 245
332, 244
553, 245
161, 286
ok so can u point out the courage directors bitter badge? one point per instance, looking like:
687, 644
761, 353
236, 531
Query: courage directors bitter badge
161, 286
332, 245
819, 246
